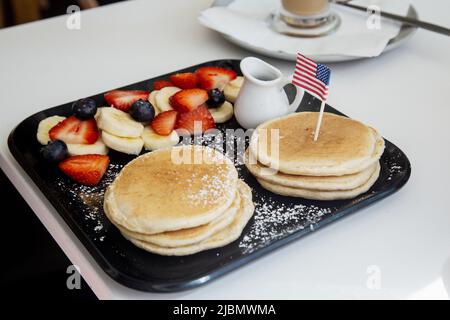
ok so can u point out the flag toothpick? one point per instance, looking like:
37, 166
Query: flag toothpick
314, 78
319, 121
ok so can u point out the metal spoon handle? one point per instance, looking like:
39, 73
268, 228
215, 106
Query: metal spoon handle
407, 20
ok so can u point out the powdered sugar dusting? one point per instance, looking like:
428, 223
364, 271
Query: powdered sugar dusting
213, 187
89, 200
274, 220
394, 167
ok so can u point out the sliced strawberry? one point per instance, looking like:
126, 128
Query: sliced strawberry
123, 99
164, 122
189, 99
214, 77
185, 80
158, 85
87, 169
195, 122
75, 131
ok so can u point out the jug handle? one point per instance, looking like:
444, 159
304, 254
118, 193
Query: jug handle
298, 96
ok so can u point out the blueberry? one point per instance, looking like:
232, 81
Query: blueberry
142, 111
216, 98
84, 109
55, 151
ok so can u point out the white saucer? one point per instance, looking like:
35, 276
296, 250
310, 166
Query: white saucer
329, 26
405, 33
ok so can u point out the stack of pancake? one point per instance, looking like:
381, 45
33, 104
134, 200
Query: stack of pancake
179, 201
342, 164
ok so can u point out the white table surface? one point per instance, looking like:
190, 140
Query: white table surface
403, 93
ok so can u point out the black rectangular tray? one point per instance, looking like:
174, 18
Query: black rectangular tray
277, 221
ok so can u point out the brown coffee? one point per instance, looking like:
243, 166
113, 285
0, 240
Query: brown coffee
305, 7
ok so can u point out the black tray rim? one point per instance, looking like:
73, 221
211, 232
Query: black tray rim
177, 286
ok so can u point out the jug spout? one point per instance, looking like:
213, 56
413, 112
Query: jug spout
260, 72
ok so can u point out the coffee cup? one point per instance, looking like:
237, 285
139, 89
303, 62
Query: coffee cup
305, 13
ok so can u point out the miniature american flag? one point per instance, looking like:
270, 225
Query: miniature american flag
311, 76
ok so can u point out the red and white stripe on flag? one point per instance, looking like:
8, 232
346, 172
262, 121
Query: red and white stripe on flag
311, 76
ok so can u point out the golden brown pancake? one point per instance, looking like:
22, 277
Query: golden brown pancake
345, 182
189, 236
156, 193
220, 239
320, 194
345, 146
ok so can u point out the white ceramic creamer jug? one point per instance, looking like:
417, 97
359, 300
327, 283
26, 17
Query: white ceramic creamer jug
262, 96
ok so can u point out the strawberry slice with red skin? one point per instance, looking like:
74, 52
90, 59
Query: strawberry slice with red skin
87, 169
199, 119
124, 99
186, 80
160, 84
189, 99
75, 131
164, 123
214, 77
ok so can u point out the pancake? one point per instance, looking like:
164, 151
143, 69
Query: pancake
345, 146
156, 192
189, 236
321, 195
220, 239
346, 182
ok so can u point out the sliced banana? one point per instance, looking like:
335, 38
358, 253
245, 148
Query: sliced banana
82, 149
154, 141
45, 126
231, 93
119, 123
223, 113
99, 111
238, 82
152, 97
152, 100
163, 96
124, 145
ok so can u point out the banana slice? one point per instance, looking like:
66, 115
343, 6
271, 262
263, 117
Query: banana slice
152, 100
119, 123
238, 82
124, 145
82, 149
163, 96
154, 141
223, 113
152, 97
99, 111
45, 126
231, 93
